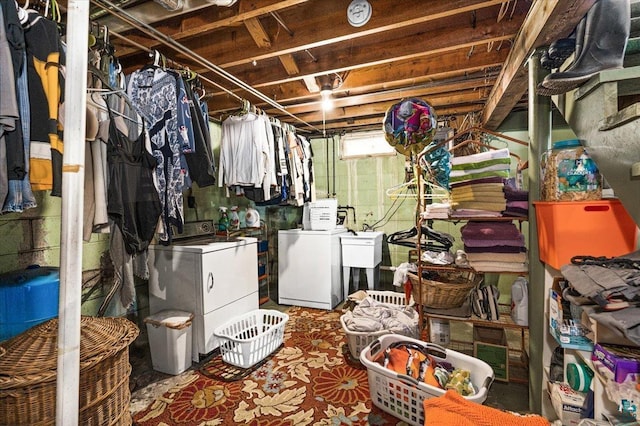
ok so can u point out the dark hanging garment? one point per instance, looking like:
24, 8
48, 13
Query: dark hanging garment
132, 199
14, 38
200, 162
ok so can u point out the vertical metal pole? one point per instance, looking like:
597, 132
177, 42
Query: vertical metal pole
539, 137
68, 384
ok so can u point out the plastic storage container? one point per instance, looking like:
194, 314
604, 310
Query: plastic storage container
28, 297
170, 340
402, 396
248, 339
593, 228
569, 174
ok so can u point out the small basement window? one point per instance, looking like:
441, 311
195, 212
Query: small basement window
365, 144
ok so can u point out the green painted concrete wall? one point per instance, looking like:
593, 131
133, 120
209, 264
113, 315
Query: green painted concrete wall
33, 237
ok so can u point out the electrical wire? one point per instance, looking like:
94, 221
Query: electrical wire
384, 218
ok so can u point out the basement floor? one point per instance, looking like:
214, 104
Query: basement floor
147, 384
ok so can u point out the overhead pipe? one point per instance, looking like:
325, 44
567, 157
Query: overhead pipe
145, 48
168, 41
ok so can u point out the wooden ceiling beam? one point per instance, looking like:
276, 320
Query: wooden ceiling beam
419, 92
320, 23
257, 32
380, 108
408, 73
547, 21
375, 122
373, 51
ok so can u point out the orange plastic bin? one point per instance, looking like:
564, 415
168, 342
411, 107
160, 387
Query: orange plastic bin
583, 228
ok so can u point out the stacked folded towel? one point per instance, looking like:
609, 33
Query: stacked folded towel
477, 183
494, 247
517, 201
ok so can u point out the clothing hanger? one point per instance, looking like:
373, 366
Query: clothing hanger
478, 143
472, 131
430, 240
22, 12
431, 190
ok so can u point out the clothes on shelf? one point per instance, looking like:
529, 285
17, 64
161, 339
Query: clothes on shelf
607, 289
477, 181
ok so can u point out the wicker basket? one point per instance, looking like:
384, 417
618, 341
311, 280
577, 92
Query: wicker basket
445, 288
28, 392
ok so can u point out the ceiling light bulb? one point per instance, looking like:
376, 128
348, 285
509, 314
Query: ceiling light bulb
326, 91
327, 103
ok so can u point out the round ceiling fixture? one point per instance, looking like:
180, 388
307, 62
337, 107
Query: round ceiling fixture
358, 13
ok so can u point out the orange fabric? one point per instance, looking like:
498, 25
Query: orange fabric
408, 289
451, 409
398, 359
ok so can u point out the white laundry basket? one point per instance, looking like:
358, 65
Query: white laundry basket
402, 396
248, 339
357, 340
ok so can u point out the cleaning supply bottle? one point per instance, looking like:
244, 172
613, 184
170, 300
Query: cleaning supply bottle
234, 218
520, 301
252, 218
223, 222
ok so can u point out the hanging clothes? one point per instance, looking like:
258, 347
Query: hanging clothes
243, 149
43, 49
184, 127
15, 193
153, 94
133, 202
277, 169
8, 105
200, 156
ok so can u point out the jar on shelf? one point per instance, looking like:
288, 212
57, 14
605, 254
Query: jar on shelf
568, 173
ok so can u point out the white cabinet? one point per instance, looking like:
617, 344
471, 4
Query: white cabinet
215, 281
309, 268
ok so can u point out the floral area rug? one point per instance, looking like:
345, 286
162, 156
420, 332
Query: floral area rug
310, 380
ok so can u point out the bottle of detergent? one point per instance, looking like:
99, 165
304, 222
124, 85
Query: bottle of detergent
252, 218
223, 222
520, 301
234, 218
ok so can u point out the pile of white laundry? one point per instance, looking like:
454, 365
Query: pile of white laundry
370, 316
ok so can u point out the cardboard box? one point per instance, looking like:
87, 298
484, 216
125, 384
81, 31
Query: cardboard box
566, 402
490, 345
492, 335
619, 360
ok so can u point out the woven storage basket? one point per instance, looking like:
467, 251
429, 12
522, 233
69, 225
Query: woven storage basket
445, 288
29, 367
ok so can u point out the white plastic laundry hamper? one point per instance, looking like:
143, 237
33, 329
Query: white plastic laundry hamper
170, 338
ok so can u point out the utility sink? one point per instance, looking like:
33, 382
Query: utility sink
362, 250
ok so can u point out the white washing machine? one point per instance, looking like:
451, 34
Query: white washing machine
310, 268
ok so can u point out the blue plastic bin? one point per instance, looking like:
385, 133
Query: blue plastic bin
28, 297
